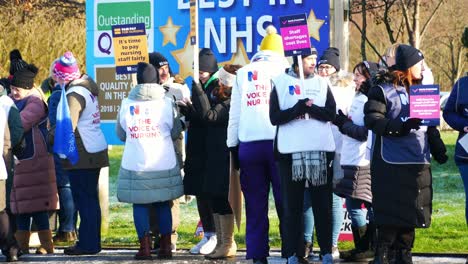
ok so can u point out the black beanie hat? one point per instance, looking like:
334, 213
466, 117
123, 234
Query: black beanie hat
16, 61
407, 56
313, 51
371, 67
157, 60
207, 61
330, 56
24, 77
146, 73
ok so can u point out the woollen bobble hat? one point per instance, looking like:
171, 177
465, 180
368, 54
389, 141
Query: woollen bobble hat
66, 68
272, 41
16, 61
406, 57
146, 73
330, 56
207, 61
24, 77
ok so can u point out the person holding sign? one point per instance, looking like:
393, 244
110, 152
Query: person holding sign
82, 98
456, 115
400, 163
250, 140
149, 176
303, 110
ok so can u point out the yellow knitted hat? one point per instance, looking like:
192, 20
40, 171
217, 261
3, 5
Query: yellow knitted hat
272, 41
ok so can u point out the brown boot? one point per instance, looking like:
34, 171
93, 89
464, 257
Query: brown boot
22, 236
228, 247
144, 252
165, 250
47, 245
219, 234
64, 237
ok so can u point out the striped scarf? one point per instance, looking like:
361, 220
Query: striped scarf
310, 166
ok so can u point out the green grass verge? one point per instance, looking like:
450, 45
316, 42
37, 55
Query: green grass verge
448, 232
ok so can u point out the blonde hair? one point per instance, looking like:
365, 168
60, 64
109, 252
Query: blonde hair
388, 58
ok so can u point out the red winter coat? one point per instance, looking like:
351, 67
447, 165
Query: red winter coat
34, 188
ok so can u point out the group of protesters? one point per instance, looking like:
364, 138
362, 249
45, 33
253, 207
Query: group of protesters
319, 136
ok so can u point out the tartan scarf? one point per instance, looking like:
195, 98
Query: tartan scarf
310, 166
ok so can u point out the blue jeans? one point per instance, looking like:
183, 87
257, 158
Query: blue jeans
464, 175
84, 185
141, 218
337, 216
67, 215
357, 215
308, 217
41, 219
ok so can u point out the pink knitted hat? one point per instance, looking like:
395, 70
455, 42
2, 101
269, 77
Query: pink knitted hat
66, 68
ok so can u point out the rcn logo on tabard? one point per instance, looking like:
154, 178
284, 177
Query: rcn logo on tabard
253, 76
134, 109
294, 89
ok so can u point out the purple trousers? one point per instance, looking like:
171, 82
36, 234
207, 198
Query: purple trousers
257, 171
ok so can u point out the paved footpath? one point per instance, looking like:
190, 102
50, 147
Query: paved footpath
182, 256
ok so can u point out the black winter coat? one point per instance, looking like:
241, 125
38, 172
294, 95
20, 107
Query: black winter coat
402, 193
207, 162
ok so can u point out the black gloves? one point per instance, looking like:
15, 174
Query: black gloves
197, 87
411, 123
185, 108
441, 158
300, 107
340, 119
235, 156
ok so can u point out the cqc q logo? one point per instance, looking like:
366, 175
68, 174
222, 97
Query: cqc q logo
114, 12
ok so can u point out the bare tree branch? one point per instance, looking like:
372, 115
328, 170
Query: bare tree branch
431, 17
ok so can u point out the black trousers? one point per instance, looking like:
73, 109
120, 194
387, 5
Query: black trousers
292, 193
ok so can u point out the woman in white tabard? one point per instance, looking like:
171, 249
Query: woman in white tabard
303, 110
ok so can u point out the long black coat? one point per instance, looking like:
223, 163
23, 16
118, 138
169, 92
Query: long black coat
402, 193
207, 162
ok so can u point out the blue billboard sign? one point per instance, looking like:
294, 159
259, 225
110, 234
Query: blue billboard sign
233, 29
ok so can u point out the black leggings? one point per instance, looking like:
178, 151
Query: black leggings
221, 206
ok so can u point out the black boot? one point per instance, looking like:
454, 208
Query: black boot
381, 255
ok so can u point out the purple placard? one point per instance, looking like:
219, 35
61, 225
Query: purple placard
295, 34
425, 104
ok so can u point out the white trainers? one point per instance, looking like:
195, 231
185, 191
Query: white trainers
196, 249
327, 259
209, 246
335, 253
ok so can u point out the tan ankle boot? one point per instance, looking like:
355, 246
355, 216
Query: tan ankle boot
228, 247
47, 244
22, 236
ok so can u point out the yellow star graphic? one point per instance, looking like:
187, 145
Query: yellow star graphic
314, 25
184, 58
169, 32
240, 57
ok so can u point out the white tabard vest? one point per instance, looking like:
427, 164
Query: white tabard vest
148, 144
303, 134
89, 124
354, 152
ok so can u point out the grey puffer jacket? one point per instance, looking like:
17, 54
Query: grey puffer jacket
143, 187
